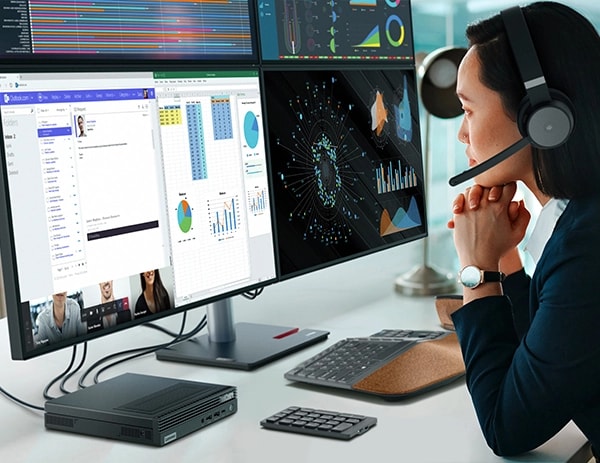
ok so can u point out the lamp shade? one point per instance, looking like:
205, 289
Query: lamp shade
437, 75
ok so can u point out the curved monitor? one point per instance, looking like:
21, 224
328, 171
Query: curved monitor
128, 195
347, 169
131, 29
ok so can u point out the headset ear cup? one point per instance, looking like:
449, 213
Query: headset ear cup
549, 125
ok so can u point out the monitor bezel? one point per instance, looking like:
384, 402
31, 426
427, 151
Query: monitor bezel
8, 259
306, 67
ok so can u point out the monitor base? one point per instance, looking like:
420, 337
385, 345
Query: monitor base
254, 345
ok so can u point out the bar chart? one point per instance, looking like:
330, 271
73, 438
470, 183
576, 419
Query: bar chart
257, 201
393, 177
224, 216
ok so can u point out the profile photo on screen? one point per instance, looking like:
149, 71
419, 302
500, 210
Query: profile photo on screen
80, 122
59, 318
153, 296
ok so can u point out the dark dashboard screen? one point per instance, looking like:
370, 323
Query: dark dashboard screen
347, 169
353, 30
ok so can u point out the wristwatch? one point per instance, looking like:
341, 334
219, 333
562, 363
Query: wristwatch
472, 276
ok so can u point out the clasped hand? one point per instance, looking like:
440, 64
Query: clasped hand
487, 224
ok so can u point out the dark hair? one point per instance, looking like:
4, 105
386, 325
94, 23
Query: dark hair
568, 48
159, 292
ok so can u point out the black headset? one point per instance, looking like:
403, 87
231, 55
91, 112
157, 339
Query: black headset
545, 115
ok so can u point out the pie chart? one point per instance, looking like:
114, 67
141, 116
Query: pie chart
184, 216
251, 129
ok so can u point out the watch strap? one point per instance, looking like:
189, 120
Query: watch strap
492, 277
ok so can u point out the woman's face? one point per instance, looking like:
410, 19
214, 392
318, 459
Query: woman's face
149, 277
486, 128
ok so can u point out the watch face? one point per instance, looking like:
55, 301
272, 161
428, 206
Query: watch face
470, 276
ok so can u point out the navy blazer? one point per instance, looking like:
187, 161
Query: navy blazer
533, 355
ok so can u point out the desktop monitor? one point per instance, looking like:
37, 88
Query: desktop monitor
127, 196
358, 31
132, 29
347, 169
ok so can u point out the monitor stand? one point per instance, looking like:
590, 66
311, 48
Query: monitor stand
243, 346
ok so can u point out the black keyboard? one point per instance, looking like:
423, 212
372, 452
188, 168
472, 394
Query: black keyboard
324, 423
349, 361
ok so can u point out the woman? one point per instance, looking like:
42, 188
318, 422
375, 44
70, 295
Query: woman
531, 344
154, 297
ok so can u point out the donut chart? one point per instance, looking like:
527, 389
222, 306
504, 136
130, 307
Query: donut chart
251, 129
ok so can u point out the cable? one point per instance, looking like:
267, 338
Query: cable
253, 294
71, 374
87, 372
148, 350
20, 401
46, 393
139, 351
65, 375
161, 329
144, 351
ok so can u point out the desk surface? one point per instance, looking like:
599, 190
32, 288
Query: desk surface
353, 299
